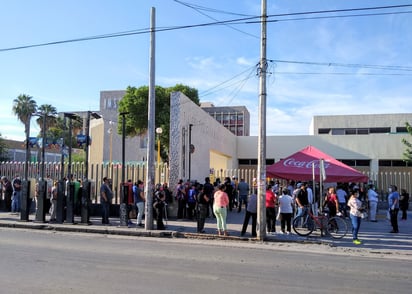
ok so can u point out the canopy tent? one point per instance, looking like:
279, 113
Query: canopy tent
302, 164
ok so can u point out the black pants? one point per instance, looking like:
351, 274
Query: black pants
246, 222
159, 216
285, 219
394, 219
404, 213
201, 216
270, 219
181, 208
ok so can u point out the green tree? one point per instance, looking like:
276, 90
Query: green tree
23, 107
3, 150
407, 154
135, 102
50, 112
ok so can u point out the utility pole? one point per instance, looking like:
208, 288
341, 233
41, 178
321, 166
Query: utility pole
261, 177
151, 127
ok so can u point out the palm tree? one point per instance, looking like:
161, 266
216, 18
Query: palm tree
23, 107
50, 112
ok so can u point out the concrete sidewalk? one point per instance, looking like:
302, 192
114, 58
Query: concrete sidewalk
375, 235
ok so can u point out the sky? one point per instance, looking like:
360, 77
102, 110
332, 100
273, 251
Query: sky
319, 62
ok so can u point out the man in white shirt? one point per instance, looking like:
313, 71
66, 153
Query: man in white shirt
373, 203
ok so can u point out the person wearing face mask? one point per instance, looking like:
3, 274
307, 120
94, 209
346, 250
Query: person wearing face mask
393, 202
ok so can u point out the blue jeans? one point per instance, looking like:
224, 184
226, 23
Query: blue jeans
15, 201
356, 221
140, 212
302, 211
105, 212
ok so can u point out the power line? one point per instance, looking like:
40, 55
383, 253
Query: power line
208, 16
350, 65
245, 20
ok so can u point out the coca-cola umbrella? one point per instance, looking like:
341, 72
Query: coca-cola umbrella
302, 164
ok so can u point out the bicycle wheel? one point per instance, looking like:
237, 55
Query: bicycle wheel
303, 225
337, 227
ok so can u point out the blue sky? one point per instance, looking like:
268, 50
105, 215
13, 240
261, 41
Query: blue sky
331, 76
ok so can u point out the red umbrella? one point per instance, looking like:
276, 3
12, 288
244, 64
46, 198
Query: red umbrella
299, 166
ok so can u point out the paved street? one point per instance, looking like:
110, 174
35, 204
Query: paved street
44, 261
376, 236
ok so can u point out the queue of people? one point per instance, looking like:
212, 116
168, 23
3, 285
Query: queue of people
197, 201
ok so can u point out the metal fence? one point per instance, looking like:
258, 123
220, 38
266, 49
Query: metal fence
133, 172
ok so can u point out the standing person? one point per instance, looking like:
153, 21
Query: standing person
270, 210
181, 199
8, 192
393, 202
139, 200
159, 205
15, 199
342, 199
373, 203
301, 199
243, 189
106, 196
229, 192
404, 204
208, 189
355, 206
221, 202
53, 202
202, 205
191, 201
285, 211
251, 211
331, 201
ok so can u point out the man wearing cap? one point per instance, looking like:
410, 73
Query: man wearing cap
302, 199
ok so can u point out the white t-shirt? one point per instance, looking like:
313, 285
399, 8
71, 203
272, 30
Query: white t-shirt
285, 204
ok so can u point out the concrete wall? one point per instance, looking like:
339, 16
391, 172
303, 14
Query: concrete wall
210, 140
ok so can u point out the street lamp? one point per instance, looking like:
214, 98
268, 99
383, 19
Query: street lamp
25, 204
110, 131
42, 188
159, 131
70, 186
85, 219
123, 201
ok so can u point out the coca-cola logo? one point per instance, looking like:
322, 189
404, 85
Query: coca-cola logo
291, 162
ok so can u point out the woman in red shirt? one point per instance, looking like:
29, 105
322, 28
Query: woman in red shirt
331, 201
270, 210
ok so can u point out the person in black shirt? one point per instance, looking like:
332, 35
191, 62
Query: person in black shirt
302, 199
202, 205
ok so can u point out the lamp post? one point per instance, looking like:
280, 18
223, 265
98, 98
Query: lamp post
110, 131
70, 184
25, 204
62, 183
190, 149
42, 185
159, 131
123, 190
85, 215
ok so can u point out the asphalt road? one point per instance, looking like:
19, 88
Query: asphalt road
56, 262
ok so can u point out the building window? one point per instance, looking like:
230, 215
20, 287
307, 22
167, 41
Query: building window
362, 131
350, 131
385, 163
379, 130
338, 131
323, 131
401, 130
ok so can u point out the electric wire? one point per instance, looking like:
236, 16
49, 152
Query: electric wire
245, 20
208, 16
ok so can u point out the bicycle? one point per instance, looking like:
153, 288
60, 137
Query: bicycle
305, 224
